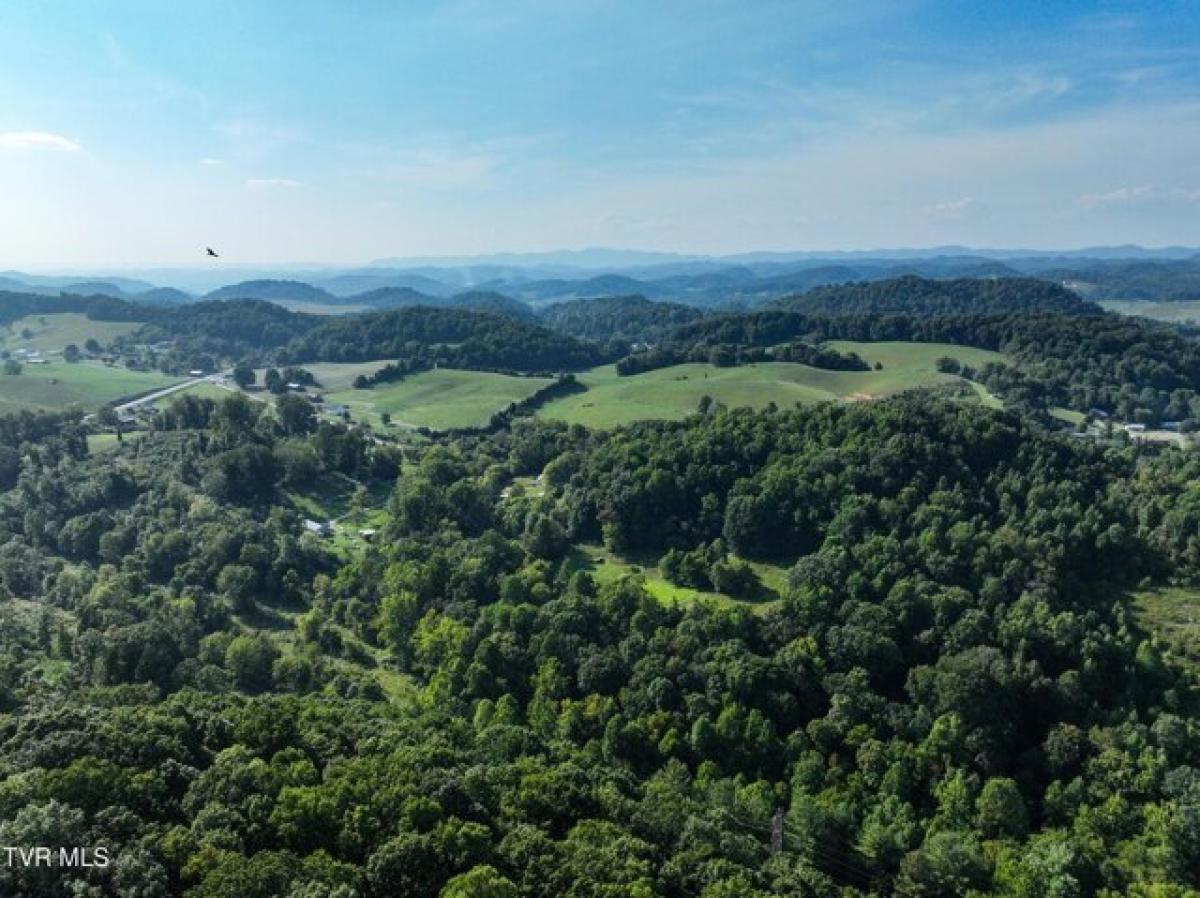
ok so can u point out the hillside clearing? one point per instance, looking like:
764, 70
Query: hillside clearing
50, 333
607, 567
675, 392
59, 385
1173, 615
439, 399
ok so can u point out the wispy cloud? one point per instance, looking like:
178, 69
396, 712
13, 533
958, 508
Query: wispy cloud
956, 210
37, 140
1139, 195
209, 160
1120, 196
271, 183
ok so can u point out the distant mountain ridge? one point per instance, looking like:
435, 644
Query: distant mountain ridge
744, 280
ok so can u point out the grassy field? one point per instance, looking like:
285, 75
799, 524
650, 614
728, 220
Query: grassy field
676, 391
102, 442
334, 376
438, 399
1173, 614
921, 357
50, 333
86, 384
606, 567
1181, 312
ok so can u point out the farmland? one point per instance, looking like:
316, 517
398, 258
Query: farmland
438, 399
50, 333
676, 391
58, 385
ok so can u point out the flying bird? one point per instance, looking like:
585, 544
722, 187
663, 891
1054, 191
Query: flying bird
211, 252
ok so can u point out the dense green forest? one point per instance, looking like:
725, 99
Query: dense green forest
913, 295
224, 329
634, 319
902, 657
101, 308
950, 694
457, 338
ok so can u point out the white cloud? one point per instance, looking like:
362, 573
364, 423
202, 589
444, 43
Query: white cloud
1121, 196
37, 140
271, 183
956, 210
209, 160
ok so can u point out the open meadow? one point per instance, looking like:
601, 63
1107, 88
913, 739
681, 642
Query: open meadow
50, 333
59, 385
675, 392
438, 399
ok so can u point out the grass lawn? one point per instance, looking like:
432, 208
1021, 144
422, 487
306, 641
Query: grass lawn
439, 399
59, 385
1069, 416
52, 332
607, 567
334, 376
1173, 614
900, 356
675, 392
102, 442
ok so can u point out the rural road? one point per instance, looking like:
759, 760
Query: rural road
159, 394
154, 397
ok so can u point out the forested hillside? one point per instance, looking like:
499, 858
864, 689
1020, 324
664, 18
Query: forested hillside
629, 318
225, 330
912, 295
15, 305
949, 696
451, 337
475, 301
272, 290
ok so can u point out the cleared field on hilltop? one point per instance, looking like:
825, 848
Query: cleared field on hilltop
1173, 614
50, 333
606, 567
675, 392
443, 398
334, 376
900, 356
59, 385
1180, 312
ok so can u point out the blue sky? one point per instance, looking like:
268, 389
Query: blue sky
132, 133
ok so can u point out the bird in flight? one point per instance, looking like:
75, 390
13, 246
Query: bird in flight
211, 252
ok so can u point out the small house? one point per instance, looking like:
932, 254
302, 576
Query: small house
319, 528
1135, 428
